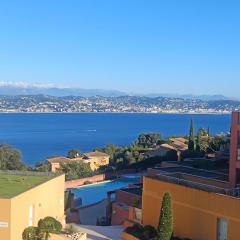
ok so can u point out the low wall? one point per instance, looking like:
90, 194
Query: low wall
81, 181
127, 197
82, 236
119, 214
88, 215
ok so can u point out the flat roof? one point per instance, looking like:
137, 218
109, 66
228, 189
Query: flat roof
14, 183
204, 180
195, 171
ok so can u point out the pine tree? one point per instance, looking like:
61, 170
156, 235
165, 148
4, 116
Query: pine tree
165, 227
191, 140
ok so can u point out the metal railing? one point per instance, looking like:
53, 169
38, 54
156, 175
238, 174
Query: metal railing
233, 192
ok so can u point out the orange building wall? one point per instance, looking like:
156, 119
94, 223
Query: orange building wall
47, 200
195, 212
5, 208
126, 236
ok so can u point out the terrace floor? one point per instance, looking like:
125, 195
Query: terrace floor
195, 171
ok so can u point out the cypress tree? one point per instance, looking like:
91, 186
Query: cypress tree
208, 131
198, 143
191, 140
165, 227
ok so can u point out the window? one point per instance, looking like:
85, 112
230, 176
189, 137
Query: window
30, 222
222, 229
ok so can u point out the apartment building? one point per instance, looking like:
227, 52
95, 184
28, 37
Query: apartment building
206, 204
95, 160
27, 197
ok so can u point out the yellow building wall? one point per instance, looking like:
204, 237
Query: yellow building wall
5, 209
55, 167
96, 162
195, 212
47, 199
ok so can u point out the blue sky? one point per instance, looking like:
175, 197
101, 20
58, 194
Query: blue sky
141, 46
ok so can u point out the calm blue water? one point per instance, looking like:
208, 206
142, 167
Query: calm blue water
96, 192
41, 135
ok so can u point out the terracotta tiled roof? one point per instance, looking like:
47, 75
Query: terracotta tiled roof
165, 145
96, 154
178, 139
179, 143
62, 159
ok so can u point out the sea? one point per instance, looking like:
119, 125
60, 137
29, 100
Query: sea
40, 135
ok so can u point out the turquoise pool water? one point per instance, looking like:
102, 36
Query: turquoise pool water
96, 192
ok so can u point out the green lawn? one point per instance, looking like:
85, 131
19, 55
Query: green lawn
12, 185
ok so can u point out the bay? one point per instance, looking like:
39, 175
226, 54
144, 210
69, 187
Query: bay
39, 135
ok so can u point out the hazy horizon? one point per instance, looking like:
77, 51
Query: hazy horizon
29, 85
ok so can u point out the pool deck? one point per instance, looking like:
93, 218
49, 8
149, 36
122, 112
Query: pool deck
92, 184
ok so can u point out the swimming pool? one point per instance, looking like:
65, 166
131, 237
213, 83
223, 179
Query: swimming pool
96, 192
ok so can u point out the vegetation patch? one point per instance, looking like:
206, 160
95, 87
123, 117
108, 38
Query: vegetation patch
12, 185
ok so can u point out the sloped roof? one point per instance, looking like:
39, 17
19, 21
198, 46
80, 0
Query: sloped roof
63, 159
96, 154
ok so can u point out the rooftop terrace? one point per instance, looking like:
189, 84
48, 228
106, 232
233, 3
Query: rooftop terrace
209, 181
14, 183
195, 171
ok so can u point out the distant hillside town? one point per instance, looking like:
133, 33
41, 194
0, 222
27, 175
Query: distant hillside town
141, 104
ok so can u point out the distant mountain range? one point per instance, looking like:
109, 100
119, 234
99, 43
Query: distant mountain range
12, 89
20, 88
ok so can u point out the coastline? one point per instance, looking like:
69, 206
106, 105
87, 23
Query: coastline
153, 113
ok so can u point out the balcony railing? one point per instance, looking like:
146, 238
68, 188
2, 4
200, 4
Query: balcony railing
234, 192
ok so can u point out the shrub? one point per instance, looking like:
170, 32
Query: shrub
144, 233
136, 202
149, 232
49, 225
32, 233
136, 230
